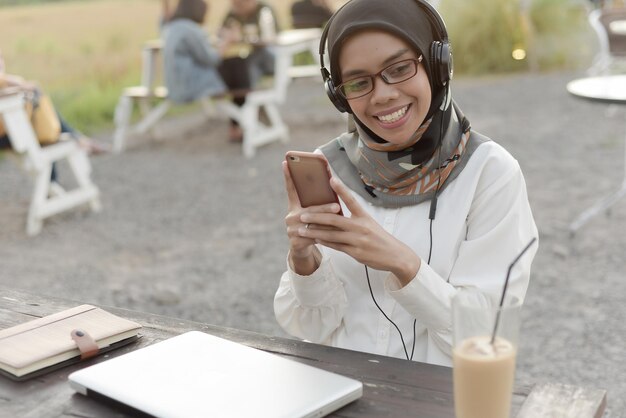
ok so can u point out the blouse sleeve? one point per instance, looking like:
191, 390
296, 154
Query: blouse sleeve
499, 225
310, 307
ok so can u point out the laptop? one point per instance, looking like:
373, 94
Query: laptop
200, 375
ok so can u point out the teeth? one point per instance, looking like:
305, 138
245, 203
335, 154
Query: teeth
392, 117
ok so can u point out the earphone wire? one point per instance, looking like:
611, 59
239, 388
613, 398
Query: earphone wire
431, 217
406, 353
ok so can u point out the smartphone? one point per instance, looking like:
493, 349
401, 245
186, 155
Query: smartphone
311, 177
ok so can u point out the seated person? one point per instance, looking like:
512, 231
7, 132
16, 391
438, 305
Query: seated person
310, 14
190, 61
254, 24
15, 81
193, 67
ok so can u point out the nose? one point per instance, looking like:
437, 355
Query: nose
383, 92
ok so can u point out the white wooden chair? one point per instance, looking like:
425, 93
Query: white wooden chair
255, 132
48, 198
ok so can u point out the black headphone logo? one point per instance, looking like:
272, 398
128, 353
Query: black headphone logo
440, 56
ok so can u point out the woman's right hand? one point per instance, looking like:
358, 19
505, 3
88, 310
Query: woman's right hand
304, 257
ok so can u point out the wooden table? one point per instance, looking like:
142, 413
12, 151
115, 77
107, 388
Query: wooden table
391, 387
604, 89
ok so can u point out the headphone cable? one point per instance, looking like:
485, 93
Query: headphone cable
406, 353
431, 217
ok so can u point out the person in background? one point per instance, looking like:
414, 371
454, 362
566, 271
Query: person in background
430, 206
254, 23
254, 27
90, 145
310, 14
190, 61
193, 66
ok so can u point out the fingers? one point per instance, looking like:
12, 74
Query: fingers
334, 238
346, 196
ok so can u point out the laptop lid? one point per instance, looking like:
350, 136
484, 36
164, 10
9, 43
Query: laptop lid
200, 375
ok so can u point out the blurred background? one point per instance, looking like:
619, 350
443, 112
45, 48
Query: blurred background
84, 52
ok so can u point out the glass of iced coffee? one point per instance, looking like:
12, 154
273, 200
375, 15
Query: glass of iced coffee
484, 362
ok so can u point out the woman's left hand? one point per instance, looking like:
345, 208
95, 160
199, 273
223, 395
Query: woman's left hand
361, 237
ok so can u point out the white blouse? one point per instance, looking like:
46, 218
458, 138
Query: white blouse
483, 221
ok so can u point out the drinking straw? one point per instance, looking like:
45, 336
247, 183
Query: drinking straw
506, 284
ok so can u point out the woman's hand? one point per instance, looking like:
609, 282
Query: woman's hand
359, 236
303, 255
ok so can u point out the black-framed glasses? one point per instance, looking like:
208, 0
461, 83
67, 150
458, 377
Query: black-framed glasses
393, 74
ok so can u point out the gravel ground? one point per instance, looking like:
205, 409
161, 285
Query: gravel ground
192, 229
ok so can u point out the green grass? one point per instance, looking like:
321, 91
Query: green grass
554, 34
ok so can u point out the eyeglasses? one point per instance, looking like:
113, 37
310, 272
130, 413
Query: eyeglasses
394, 74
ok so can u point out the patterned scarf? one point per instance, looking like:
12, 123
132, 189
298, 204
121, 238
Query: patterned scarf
401, 176
389, 180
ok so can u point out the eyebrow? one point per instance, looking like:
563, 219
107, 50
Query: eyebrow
385, 62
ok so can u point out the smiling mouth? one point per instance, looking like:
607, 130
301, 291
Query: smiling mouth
393, 117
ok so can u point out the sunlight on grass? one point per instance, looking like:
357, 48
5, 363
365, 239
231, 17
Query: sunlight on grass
486, 33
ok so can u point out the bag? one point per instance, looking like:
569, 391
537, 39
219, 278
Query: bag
43, 116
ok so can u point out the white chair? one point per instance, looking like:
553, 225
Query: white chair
48, 198
255, 131
609, 25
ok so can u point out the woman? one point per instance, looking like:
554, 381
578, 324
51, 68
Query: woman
430, 206
193, 67
190, 61
255, 24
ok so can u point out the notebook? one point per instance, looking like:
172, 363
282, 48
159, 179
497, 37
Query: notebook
39, 346
200, 375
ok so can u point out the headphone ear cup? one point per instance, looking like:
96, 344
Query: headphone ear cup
340, 103
445, 60
441, 62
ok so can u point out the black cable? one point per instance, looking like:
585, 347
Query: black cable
406, 353
431, 216
430, 250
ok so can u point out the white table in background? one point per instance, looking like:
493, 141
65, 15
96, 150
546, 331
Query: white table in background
609, 89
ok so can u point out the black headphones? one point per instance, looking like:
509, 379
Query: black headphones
440, 56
